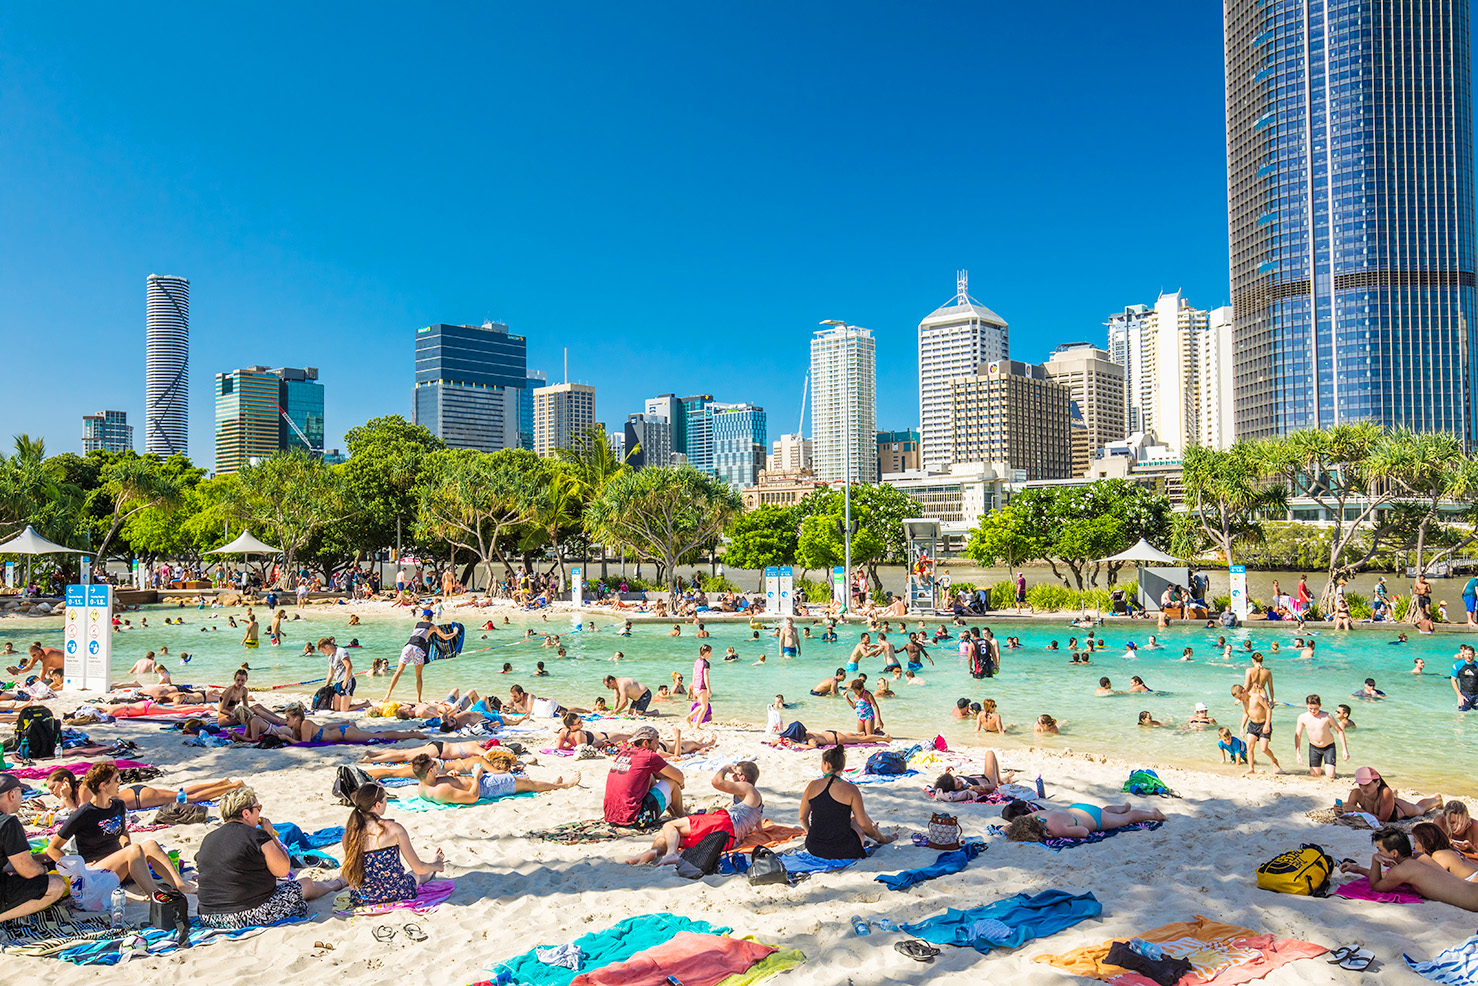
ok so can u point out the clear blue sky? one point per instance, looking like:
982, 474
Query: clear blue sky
677, 192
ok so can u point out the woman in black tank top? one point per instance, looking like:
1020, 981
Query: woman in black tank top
834, 828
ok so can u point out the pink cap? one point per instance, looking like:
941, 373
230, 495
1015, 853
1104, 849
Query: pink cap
1366, 774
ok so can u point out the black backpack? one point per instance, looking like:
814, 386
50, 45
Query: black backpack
347, 780
37, 733
323, 698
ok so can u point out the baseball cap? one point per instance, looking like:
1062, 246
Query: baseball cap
644, 733
1200, 706
9, 782
1366, 774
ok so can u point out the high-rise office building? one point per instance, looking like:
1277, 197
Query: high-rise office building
648, 440
167, 366
1096, 383
1160, 349
260, 411
954, 339
898, 451
791, 454
561, 411
1350, 214
469, 384
844, 403
1013, 413
739, 442
107, 431
1216, 405
536, 379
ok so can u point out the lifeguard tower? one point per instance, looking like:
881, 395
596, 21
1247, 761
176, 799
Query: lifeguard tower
922, 534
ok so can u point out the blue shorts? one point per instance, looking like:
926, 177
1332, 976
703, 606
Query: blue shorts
1470, 603
491, 786
792, 652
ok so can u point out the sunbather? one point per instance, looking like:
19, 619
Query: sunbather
71, 791
301, 729
967, 787
1076, 822
1371, 794
481, 785
1393, 865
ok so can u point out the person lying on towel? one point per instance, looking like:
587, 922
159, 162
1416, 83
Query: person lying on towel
1076, 822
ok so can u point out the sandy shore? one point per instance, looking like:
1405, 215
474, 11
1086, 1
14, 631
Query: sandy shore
513, 893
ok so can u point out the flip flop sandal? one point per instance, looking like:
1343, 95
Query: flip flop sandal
1358, 960
1338, 955
414, 932
919, 951
384, 934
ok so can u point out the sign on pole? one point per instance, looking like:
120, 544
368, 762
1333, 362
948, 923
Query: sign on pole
99, 664
1239, 591
577, 586
772, 589
86, 570
10, 575
787, 591
74, 638
839, 587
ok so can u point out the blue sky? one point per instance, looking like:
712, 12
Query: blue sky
676, 192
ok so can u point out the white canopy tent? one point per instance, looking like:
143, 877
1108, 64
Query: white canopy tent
246, 544
1141, 554
28, 542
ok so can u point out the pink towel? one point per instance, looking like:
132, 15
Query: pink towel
428, 896
693, 959
81, 767
1360, 890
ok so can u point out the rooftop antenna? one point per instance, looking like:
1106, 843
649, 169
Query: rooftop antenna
962, 286
567, 364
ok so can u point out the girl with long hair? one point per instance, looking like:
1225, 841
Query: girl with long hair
374, 848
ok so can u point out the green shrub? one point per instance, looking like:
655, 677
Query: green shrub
813, 590
1048, 597
1003, 594
717, 583
1221, 603
1400, 607
1359, 605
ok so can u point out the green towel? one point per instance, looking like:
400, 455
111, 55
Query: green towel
602, 948
415, 802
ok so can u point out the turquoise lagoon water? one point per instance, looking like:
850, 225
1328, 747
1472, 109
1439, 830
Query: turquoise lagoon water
1415, 736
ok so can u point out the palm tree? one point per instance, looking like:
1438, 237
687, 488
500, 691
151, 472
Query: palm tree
1227, 498
135, 484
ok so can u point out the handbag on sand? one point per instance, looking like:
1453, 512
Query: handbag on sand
944, 831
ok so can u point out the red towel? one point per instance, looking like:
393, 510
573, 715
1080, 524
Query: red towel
694, 959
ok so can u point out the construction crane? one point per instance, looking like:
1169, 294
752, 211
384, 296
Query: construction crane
298, 431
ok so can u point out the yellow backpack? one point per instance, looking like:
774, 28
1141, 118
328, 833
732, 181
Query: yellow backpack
1304, 871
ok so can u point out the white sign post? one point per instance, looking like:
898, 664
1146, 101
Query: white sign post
577, 586
839, 587
99, 637
772, 590
10, 575
1239, 591
787, 591
74, 638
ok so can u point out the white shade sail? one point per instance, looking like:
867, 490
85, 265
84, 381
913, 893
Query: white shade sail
246, 544
1143, 552
28, 542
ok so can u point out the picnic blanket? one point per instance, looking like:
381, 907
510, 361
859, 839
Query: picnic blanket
150, 942
1360, 890
692, 958
950, 861
51, 931
414, 802
304, 846
1008, 923
602, 948
1456, 966
1058, 845
1224, 954
429, 896
584, 833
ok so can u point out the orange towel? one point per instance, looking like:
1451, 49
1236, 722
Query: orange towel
694, 959
767, 833
1224, 953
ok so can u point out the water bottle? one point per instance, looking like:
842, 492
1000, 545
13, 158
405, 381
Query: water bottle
180, 798
860, 926
116, 908
886, 925
1041, 790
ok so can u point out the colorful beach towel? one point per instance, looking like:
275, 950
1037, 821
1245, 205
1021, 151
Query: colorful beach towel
1360, 890
588, 832
429, 896
951, 861
767, 833
1024, 918
414, 802
602, 948
1223, 954
691, 958
79, 768
1456, 966
1058, 845
149, 942
773, 964
51, 931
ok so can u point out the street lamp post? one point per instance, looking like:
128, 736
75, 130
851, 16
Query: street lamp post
847, 477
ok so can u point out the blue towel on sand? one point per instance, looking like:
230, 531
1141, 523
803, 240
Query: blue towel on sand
602, 948
948, 862
1028, 917
1457, 966
303, 846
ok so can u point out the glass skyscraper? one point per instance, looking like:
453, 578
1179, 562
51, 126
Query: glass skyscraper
1350, 213
739, 442
260, 411
470, 385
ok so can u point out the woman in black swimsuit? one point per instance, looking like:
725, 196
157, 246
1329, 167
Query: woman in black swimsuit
573, 735
65, 787
833, 815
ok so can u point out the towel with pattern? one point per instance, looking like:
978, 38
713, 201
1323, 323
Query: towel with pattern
1457, 966
414, 802
429, 896
148, 942
602, 948
585, 833
1058, 845
51, 931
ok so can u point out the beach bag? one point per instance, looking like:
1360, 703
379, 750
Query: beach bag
91, 889
178, 814
944, 831
1304, 871
766, 867
886, 762
323, 698
347, 780
705, 855
169, 911
773, 721
37, 733
1146, 782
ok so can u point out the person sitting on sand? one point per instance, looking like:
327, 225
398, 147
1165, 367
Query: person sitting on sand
833, 815
950, 786
1392, 865
377, 851
100, 826
1075, 822
27, 886
1460, 828
574, 734
1046, 725
72, 792
1433, 847
1372, 795
245, 873
235, 706
641, 784
482, 785
737, 820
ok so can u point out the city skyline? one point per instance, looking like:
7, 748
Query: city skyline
288, 266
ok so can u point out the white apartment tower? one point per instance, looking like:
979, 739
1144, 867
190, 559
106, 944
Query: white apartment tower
167, 366
1166, 351
561, 411
954, 339
1216, 403
791, 453
1097, 386
844, 404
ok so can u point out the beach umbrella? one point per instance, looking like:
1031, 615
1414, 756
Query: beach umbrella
1141, 554
245, 544
28, 542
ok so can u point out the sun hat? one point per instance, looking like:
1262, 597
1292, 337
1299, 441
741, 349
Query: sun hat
1366, 774
1201, 707
644, 733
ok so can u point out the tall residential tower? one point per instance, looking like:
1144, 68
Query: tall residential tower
167, 366
844, 403
954, 339
1350, 214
